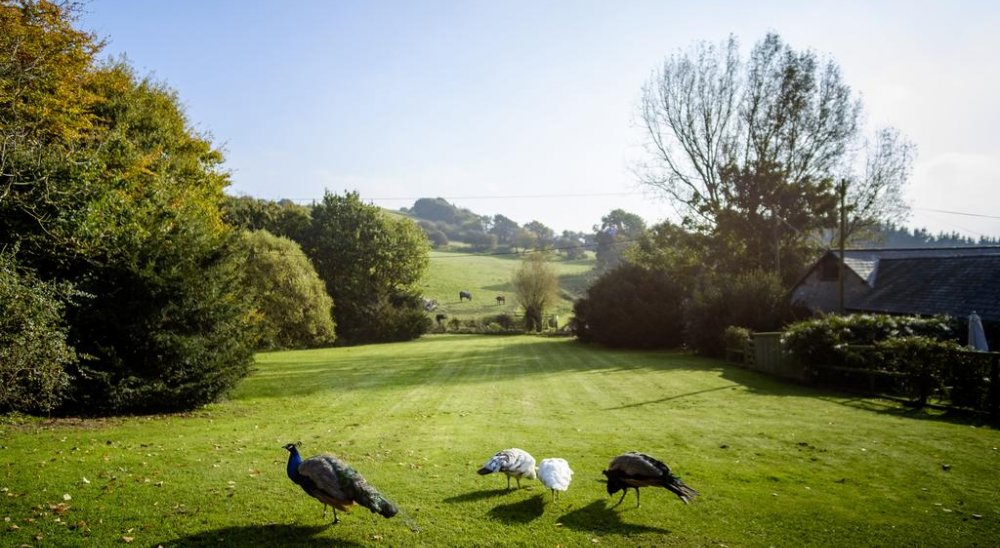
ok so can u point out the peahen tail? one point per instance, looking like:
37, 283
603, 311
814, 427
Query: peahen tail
677, 487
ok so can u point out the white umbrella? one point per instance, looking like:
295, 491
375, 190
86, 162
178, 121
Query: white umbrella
977, 336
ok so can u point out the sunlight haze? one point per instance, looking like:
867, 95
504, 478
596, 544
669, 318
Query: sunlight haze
529, 109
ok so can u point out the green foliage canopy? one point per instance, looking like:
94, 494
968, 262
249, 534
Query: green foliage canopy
371, 264
106, 187
33, 348
294, 308
750, 149
282, 218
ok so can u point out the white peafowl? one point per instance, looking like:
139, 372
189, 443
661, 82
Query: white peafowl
513, 462
555, 474
332, 482
640, 470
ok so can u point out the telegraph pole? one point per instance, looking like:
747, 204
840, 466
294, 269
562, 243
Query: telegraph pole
843, 228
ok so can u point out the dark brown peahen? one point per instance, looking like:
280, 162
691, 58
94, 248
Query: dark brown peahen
332, 482
640, 470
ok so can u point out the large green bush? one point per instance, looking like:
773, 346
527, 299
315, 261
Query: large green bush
828, 340
631, 306
754, 300
295, 310
911, 357
33, 348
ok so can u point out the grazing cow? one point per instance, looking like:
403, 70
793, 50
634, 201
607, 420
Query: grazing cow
440, 318
501, 300
462, 295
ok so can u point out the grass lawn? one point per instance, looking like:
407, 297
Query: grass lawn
487, 276
776, 464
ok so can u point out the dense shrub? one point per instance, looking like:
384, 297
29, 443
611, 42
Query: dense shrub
736, 337
108, 188
631, 306
292, 301
174, 333
827, 340
33, 347
400, 317
505, 321
755, 300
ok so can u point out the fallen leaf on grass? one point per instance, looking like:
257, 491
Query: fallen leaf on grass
127, 539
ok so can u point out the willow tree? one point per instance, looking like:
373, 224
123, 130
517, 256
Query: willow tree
752, 150
536, 286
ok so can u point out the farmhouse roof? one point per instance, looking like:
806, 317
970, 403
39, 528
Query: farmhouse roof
865, 262
927, 281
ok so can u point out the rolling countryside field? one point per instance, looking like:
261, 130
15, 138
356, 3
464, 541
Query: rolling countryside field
487, 276
776, 464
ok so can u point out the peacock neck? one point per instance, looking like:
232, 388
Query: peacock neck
294, 460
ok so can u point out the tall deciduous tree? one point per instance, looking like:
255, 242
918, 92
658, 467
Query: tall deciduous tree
536, 286
169, 324
545, 237
618, 229
754, 147
104, 185
505, 229
371, 264
45, 112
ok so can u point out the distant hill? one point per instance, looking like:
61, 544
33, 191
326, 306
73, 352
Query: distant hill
487, 276
444, 223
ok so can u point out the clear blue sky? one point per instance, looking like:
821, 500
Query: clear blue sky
497, 105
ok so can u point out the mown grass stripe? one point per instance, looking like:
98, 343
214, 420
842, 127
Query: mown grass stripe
776, 463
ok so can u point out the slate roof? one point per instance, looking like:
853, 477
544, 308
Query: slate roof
943, 284
926, 281
865, 262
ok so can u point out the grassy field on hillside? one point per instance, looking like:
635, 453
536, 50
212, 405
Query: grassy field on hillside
487, 276
776, 464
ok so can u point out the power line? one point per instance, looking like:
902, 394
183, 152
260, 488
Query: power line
485, 197
958, 213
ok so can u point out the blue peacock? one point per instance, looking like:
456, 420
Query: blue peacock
332, 482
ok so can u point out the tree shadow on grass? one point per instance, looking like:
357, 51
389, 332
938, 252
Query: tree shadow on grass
881, 404
524, 511
259, 535
479, 495
673, 397
597, 517
901, 408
